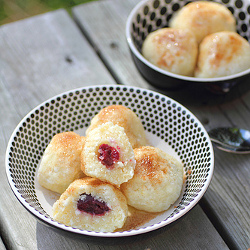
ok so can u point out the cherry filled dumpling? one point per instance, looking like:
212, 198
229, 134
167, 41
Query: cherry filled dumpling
108, 154
124, 117
157, 181
93, 205
61, 162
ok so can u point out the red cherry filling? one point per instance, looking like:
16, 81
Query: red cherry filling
88, 204
108, 155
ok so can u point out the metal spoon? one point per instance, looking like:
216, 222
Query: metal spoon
233, 140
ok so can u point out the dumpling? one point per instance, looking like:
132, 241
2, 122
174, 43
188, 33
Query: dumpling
124, 117
203, 18
108, 154
174, 50
157, 182
90, 204
223, 54
61, 162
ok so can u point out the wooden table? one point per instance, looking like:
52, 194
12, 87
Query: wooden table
48, 54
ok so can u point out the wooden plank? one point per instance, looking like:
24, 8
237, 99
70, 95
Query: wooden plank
108, 37
231, 171
13, 216
39, 58
52, 58
174, 236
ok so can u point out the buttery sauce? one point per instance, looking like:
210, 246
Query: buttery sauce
137, 218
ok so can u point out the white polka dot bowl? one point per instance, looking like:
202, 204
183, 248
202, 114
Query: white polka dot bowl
150, 15
168, 125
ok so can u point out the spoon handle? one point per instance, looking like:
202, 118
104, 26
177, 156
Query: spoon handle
232, 140
234, 150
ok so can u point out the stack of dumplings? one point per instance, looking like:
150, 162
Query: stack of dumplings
103, 173
211, 49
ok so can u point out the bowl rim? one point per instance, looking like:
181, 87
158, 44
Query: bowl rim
49, 221
162, 71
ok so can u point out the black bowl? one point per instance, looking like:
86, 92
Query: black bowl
150, 15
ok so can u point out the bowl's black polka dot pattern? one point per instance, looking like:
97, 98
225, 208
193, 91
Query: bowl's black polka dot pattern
72, 111
156, 14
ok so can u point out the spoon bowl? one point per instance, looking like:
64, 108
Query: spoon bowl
231, 139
